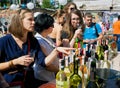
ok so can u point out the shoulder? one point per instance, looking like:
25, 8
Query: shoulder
6, 38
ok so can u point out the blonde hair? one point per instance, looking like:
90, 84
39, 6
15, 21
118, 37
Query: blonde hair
16, 25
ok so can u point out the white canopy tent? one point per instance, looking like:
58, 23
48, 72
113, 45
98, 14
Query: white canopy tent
98, 4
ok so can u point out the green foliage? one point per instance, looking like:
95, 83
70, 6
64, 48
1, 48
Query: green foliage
46, 4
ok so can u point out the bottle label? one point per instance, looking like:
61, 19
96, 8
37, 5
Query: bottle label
59, 84
74, 86
62, 84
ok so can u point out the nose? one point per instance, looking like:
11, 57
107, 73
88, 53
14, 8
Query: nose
33, 22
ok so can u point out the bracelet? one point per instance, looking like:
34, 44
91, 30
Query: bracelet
11, 64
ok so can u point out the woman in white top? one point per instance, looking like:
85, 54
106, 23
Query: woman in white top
44, 26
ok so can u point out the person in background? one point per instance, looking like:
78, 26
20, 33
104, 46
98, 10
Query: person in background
103, 27
73, 27
44, 25
70, 6
59, 17
3, 3
92, 32
20, 49
116, 32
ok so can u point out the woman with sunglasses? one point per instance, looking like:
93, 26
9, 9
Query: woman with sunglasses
70, 6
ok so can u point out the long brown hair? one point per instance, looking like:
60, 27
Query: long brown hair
68, 28
66, 7
16, 25
58, 13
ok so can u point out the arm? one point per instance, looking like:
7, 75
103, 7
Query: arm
52, 68
77, 34
25, 60
49, 59
58, 36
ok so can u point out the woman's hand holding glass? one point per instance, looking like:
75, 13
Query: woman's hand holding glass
78, 34
25, 60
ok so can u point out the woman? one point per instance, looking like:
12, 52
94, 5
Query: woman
15, 51
69, 7
59, 17
73, 27
44, 26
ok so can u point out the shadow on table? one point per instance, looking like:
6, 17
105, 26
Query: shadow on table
108, 78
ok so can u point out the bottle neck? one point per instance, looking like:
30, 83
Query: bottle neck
106, 55
66, 61
75, 65
61, 66
92, 74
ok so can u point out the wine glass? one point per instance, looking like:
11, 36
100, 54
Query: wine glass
32, 55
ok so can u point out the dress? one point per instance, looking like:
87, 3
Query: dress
42, 73
10, 50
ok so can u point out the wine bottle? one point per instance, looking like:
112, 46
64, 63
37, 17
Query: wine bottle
61, 78
76, 45
92, 83
67, 71
84, 73
75, 79
71, 64
105, 45
99, 51
105, 71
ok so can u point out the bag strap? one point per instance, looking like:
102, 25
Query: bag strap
25, 71
96, 29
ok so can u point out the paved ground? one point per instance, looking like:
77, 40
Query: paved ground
116, 62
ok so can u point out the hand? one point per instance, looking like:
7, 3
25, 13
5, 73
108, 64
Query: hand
92, 40
78, 33
64, 50
87, 41
65, 42
25, 60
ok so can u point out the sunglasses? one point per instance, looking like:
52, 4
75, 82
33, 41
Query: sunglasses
72, 9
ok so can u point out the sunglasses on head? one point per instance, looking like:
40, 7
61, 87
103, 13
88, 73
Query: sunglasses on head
72, 9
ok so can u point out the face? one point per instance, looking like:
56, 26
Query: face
88, 20
28, 22
50, 29
62, 19
75, 20
71, 7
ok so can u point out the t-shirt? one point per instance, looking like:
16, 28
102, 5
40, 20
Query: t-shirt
42, 73
91, 32
116, 27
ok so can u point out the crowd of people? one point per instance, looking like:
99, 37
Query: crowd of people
31, 44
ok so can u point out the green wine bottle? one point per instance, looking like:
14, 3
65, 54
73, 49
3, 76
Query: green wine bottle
105, 71
92, 83
75, 79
